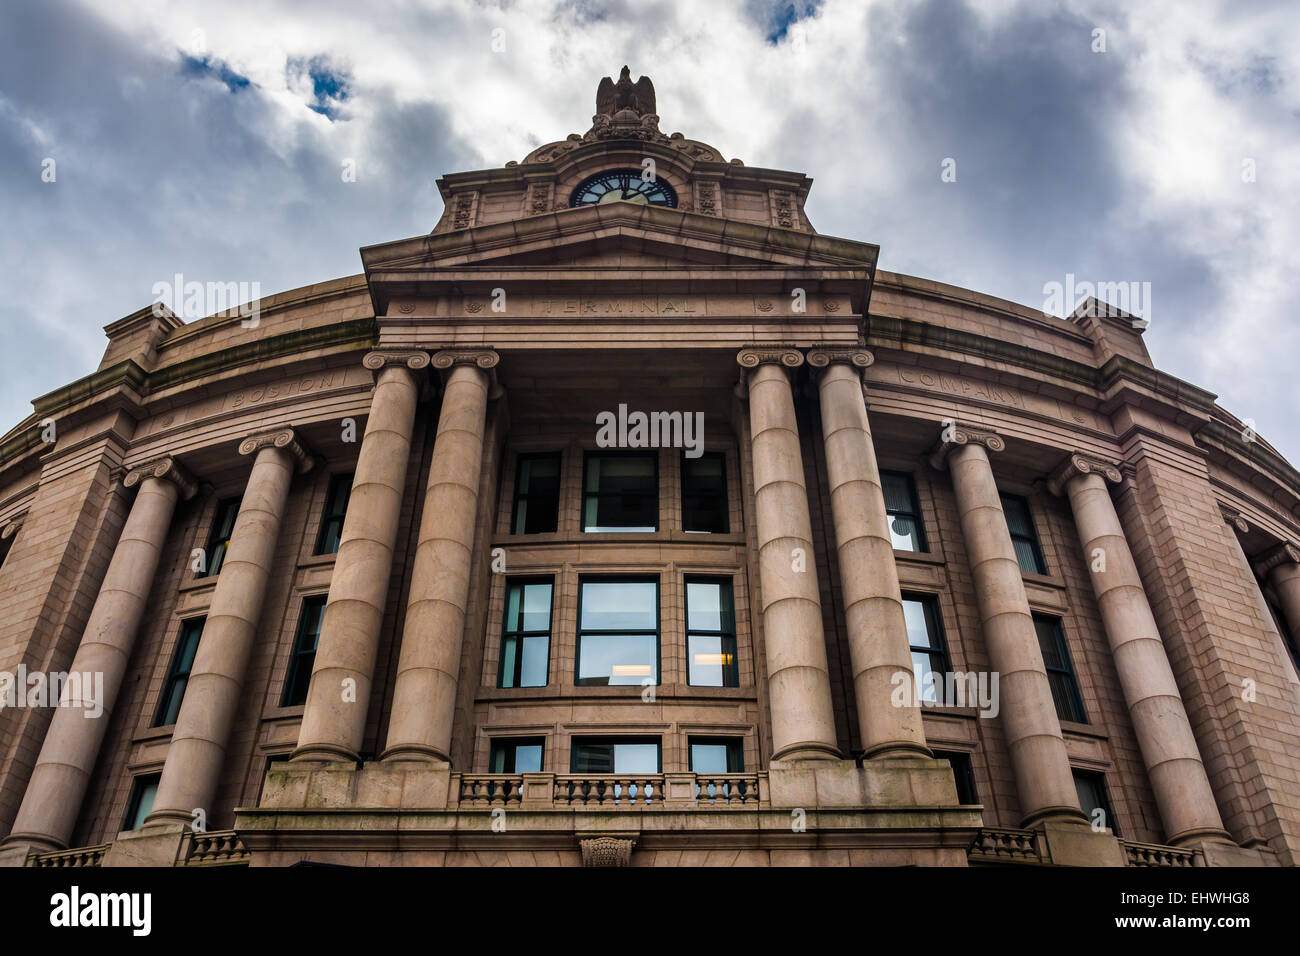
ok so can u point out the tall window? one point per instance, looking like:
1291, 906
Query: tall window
620, 492
711, 633
717, 755
1091, 787
962, 774
1060, 672
618, 631
304, 651
929, 652
516, 755
526, 634
1023, 537
223, 526
537, 494
178, 675
336, 508
614, 755
144, 789
704, 493
905, 528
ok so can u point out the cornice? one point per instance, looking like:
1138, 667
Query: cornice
1220, 437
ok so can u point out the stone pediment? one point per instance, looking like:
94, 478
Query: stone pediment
655, 247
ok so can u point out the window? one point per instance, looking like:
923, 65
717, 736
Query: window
620, 492
1023, 537
537, 494
304, 651
223, 525
1060, 673
614, 755
963, 775
143, 791
905, 528
704, 493
717, 755
516, 755
710, 633
336, 507
526, 634
178, 675
1091, 787
618, 631
929, 652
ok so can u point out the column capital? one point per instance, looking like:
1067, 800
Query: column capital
166, 468
378, 359
286, 439
751, 358
953, 434
860, 359
480, 357
1283, 553
1078, 463
1234, 518
11, 527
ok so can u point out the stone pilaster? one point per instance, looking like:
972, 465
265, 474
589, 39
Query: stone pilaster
334, 722
424, 695
873, 602
1169, 751
1028, 714
198, 744
799, 690
58, 783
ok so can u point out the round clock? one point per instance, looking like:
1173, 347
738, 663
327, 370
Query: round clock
625, 184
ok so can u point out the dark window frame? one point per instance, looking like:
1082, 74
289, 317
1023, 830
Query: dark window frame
498, 744
522, 457
331, 516
963, 773
173, 673
1097, 777
724, 494
585, 579
299, 653
1035, 545
652, 455
523, 635
139, 783
1068, 672
731, 677
216, 537
923, 544
613, 740
735, 747
934, 624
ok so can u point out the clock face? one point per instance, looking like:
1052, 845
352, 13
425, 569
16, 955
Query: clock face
625, 184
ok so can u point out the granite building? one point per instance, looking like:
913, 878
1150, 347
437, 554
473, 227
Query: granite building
625, 519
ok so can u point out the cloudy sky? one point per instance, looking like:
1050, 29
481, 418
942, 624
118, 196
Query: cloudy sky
209, 139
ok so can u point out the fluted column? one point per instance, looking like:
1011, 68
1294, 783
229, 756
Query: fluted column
58, 783
428, 668
873, 602
202, 732
1165, 738
1281, 567
799, 688
1027, 712
334, 720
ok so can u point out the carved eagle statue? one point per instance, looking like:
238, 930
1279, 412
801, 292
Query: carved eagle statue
625, 95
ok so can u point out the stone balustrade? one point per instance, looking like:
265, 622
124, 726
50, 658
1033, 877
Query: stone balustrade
215, 848
1154, 854
80, 857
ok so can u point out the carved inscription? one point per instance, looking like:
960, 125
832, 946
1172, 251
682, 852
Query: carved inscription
248, 397
961, 387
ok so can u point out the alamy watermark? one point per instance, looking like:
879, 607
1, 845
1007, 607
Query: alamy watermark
624, 429
196, 300
73, 689
977, 689
1125, 300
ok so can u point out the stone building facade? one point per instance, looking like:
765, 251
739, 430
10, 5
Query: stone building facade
626, 519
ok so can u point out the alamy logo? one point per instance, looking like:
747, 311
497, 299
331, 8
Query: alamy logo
196, 300
1128, 300
977, 689
55, 689
626, 429
74, 908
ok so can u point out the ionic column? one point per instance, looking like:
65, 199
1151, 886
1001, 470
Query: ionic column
334, 719
428, 668
1280, 566
1027, 713
198, 744
58, 783
1165, 738
873, 603
799, 687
